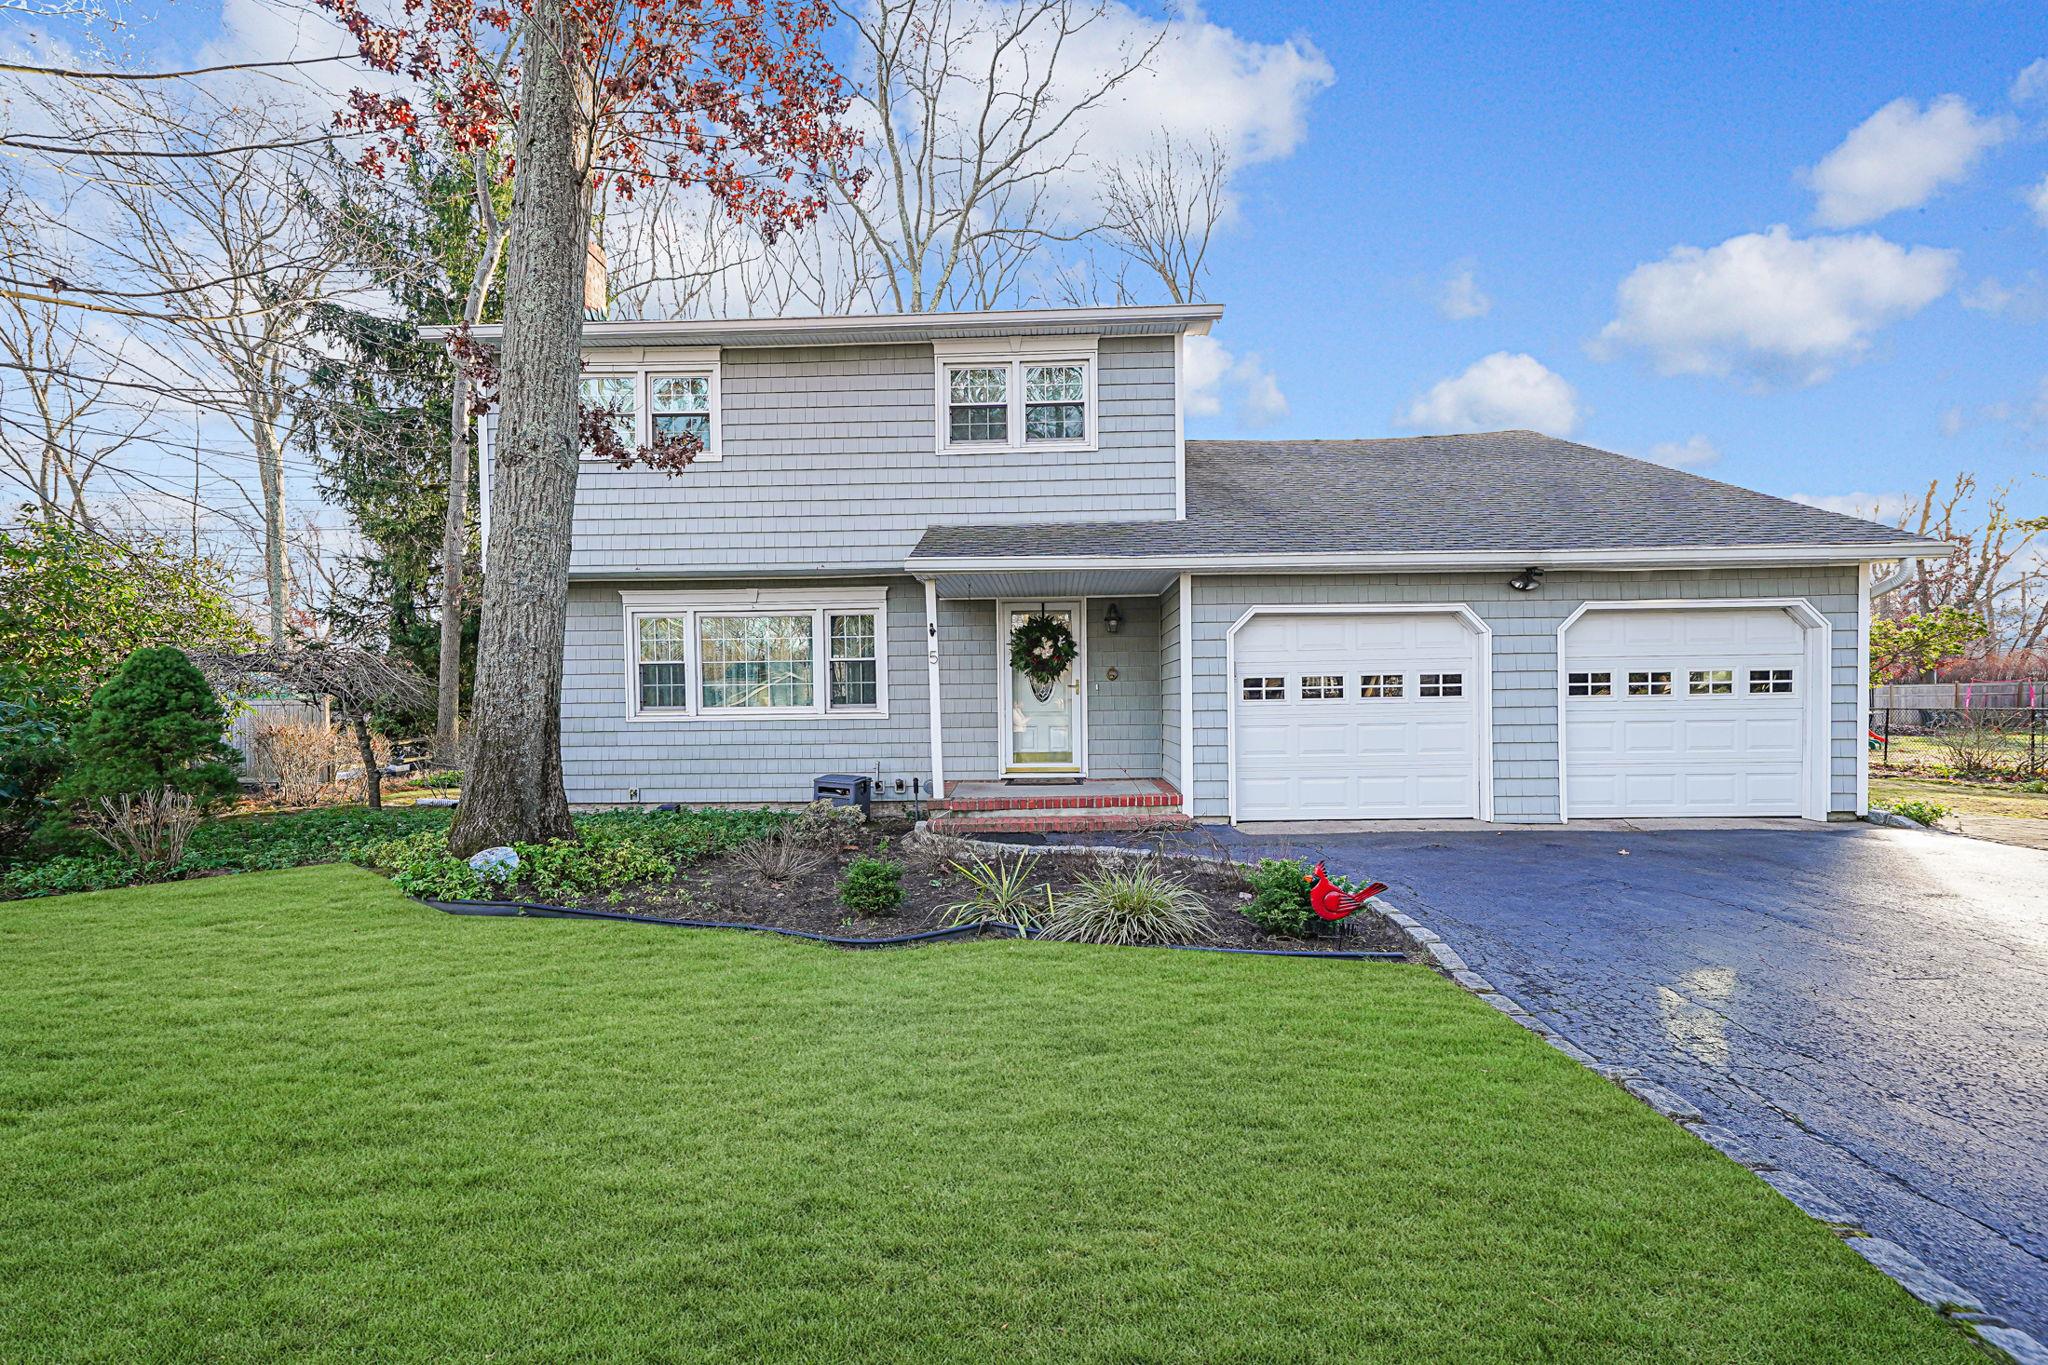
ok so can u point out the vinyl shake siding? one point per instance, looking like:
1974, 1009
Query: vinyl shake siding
829, 462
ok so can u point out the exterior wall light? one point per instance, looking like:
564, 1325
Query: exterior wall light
1112, 620
1528, 580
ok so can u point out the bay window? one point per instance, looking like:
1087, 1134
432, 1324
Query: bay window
766, 653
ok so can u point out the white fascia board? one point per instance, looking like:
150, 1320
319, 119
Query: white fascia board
1694, 557
1196, 318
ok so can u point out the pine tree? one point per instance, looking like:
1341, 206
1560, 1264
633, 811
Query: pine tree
154, 724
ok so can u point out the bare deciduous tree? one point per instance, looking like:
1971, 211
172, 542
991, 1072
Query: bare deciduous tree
973, 122
1162, 210
1997, 572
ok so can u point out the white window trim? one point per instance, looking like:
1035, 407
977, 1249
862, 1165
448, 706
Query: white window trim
1014, 354
674, 365
819, 603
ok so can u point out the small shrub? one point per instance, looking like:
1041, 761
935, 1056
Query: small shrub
154, 724
148, 830
779, 856
828, 826
1981, 747
440, 780
2037, 786
1003, 893
1279, 903
872, 886
67, 873
1130, 901
1924, 812
563, 870
421, 865
300, 757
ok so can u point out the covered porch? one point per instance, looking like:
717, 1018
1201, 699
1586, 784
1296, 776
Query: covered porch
1102, 739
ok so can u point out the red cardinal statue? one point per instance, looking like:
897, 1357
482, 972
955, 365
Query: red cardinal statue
1333, 902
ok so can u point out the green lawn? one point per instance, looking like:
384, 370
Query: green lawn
1966, 798
293, 1114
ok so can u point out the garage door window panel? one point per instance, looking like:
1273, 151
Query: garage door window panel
1265, 689
1374, 685
1322, 687
1711, 682
1590, 685
1440, 685
1770, 682
1650, 683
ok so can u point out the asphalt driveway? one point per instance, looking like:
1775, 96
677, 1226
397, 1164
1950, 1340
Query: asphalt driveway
1866, 1007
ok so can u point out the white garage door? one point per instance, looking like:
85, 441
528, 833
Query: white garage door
1685, 712
1354, 717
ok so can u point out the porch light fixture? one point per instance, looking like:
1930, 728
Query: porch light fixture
1528, 580
1112, 620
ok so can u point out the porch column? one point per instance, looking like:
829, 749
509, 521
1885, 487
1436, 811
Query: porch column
1187, 694
931, 637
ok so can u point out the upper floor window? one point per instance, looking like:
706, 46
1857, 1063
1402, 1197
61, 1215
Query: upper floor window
678, 398
1030, 394
618, 394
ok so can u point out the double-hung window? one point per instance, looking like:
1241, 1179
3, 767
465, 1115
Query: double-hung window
619, 396
765, 654
1035, 398
680, 405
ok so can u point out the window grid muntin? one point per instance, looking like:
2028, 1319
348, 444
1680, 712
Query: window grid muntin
1597, 683
1440, 685
1322, 687
1056, 402
1649, 682
978, 404
1770, 682
851, 651
685, 619
679, 403
1265, 689
664, 677
616, 391
1372, 685
1710, 682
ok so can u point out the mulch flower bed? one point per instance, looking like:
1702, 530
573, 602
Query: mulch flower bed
725, 889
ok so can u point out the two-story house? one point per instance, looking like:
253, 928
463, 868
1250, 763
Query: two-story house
1501, 626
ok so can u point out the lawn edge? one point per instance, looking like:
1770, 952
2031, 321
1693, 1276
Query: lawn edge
1948, 1299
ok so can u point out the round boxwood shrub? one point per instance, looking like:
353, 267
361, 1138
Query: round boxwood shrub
154, 724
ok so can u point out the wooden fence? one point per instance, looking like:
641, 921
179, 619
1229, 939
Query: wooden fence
254, 713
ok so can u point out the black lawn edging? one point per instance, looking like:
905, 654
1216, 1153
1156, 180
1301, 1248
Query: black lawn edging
539, 910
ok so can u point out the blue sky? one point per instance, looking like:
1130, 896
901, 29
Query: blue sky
1545, 154
1553, 149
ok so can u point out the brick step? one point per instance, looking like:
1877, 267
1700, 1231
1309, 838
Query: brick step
971, 823
1142, 801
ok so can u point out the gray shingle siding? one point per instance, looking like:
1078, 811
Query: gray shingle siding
1124, 716
829, 463
1524, 626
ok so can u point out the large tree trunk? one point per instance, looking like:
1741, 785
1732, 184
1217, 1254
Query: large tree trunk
454, 548
512, 789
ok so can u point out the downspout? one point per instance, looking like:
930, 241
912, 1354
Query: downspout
1896, 579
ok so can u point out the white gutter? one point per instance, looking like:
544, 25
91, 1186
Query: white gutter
1656, 557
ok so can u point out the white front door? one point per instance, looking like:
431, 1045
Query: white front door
1043, 724
1366, 716
1685, 712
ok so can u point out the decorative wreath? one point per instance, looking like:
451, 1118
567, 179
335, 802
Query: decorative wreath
1041, 647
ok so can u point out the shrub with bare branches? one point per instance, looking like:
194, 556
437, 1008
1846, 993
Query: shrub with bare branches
301, 757
149, 829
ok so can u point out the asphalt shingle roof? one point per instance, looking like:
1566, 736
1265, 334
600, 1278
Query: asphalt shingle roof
1502, 490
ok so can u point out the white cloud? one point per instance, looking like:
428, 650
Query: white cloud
1869, 506
2032, 82
1213, 380
2025, 300
1461, 296
1502, 390
1696, 453
1771, 306
2037, 200
1899, 157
